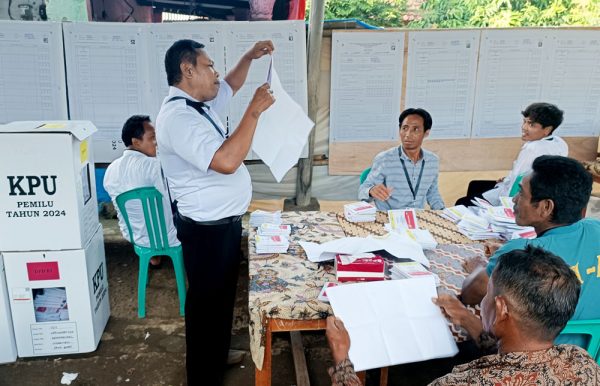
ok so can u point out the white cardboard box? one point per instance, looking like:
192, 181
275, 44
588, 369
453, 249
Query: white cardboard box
81, 276
47, 186
8, 347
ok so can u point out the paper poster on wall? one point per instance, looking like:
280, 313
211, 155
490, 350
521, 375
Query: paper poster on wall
441, 75
107, 79
366, 84
32, 72
512, 64
163, 35
573, 80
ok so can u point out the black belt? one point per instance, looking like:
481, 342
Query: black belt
222, 221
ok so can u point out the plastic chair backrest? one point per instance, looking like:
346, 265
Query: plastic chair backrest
364, 174
154, 215
587, 327
515, 187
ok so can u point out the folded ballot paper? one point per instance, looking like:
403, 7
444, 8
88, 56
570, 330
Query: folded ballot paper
360, 267
271, 244
274, 230
261, 217
403, 219
360, 212
392, 322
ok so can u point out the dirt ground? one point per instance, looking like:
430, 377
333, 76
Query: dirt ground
151, 351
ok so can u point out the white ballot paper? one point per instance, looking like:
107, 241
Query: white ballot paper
392, 322
282, 130
399, 245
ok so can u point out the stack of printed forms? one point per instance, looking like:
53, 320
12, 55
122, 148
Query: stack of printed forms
261, 216
51, 306
411, 270
360, 212
405, 221
271, 244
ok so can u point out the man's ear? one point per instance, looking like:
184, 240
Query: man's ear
186, 69
135, 142
546, 207
547, 130
426, 134
502, 313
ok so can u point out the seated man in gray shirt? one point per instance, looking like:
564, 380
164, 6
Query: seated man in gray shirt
407, 175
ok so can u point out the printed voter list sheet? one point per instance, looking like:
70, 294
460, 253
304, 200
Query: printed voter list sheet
441, 73
366, 82
32, 72
392, 322
510, 77
282, 130
573, 81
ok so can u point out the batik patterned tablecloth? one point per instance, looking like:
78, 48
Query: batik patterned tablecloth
443, 230
286, 286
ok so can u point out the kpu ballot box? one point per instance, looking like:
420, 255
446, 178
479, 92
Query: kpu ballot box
59, 299
47, 186
8, 347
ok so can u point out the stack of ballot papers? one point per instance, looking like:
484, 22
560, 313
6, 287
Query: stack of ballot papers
271, 244
274, 230
485, 221
261, 216
402, 219
51, 305
392, 322
423, 237
411, 270
456, 213
359, 267
360, 212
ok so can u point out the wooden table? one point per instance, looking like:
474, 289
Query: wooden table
283, 288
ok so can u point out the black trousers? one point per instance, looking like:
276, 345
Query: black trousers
476, 189
211, 255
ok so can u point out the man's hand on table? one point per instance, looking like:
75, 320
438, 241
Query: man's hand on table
490, 247
338, 339
469, 265
459, 315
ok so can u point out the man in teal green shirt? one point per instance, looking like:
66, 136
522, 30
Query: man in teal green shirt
552, 199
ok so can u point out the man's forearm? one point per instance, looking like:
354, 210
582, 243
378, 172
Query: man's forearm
474, 287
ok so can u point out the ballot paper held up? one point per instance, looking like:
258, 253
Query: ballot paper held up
392, 322
282, 131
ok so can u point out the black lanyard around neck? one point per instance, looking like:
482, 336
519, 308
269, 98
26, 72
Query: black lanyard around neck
199, 107
414, 190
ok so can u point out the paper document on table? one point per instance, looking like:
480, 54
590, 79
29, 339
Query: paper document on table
399, 245
392, 322
282, 130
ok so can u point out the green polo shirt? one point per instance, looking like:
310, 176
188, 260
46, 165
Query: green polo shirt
578, 245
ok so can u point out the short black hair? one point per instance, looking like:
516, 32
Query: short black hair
540, 287
564, 181
427, 121
546, 114
185, 50
133, 128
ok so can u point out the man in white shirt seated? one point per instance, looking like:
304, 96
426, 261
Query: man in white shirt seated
138, 167
540, 121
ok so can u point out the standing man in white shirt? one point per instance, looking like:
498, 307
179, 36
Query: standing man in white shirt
136, 168
203, 165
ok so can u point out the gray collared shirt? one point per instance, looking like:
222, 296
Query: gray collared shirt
387, 169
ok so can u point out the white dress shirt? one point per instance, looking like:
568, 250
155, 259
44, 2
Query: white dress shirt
135, 170
551, 145
187, 143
